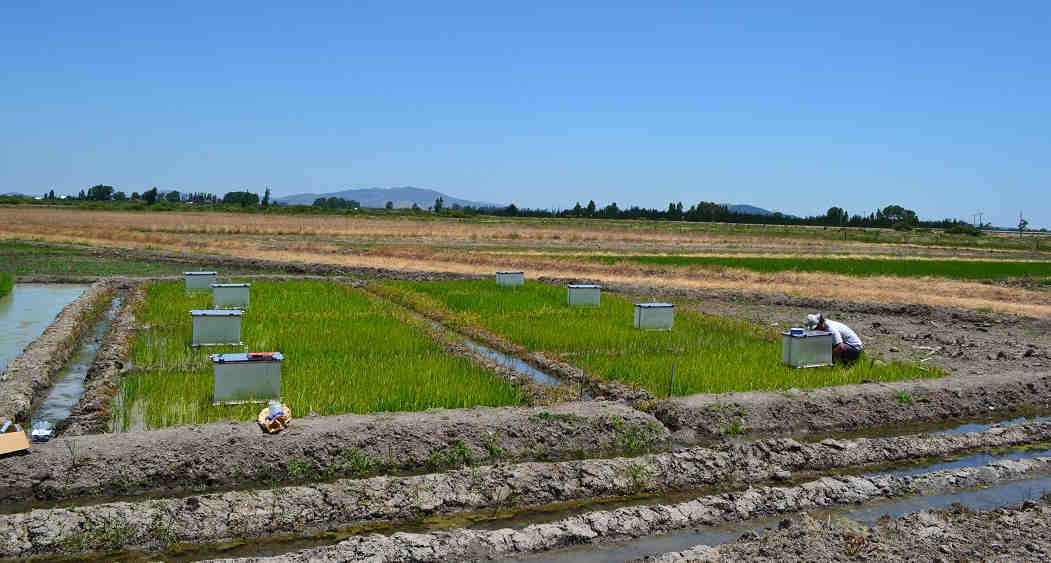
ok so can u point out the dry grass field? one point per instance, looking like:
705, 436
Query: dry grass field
540, 247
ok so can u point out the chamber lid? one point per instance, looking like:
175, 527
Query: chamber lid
231, 285
654, 305
216, 313
584, 286
249, 357
201, 273
510, 272
807, 333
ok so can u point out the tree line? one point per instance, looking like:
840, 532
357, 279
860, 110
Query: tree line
892, 216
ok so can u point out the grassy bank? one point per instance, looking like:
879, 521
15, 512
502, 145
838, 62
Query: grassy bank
345, 351
709, 354
7, 281
862, 267
22, 259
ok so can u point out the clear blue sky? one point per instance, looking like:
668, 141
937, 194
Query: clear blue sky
940, 106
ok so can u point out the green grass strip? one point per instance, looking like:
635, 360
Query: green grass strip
711, 354
861, 267
345, 352
7, 282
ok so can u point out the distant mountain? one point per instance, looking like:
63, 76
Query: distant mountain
748, 209
378, 198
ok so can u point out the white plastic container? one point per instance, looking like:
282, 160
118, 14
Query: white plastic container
510, 278
226, 295
584, 294
215, 327
654, 316
199, 281
246, 378
811, 349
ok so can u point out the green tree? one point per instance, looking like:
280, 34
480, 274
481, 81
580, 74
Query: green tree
591, 208
243, 198
266, 199
173, 196
150, 195
439, 204
119, 196
836, 216
390, 205
135, 196
99, 192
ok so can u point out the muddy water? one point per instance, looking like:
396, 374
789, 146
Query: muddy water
69, 384
27, 311
510, 362
972, 424
982, 499
965, 428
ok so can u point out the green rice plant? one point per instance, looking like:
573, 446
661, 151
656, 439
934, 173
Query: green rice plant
859, 267
7, 282
710, 354
345, 350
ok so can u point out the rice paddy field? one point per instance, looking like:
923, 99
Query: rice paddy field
709, 354
859, 267
345, 352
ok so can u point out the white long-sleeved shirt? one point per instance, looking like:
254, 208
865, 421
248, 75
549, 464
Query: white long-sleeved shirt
842, 333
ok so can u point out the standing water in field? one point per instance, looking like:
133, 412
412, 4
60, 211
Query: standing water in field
69, 384
27, 311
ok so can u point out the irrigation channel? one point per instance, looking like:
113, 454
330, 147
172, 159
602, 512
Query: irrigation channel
724, 493
69, 383
27, 311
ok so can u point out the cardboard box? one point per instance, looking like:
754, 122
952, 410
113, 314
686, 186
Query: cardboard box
13, 439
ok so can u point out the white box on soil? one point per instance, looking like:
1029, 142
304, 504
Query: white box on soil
231, 295
654, 316
584, 294
244, 378
214, 327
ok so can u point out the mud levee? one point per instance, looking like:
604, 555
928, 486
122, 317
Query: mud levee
633, 521
302, 510
227, 455
219, 261
91, 413
1018, 533
31, 373
702, 418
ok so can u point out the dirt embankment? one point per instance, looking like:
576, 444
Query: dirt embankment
1018, 533
91, 413
600, 526
227, 455
30, 374
196, 260
703, 418
302, 510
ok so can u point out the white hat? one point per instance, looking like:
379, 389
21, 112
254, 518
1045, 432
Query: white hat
812, 321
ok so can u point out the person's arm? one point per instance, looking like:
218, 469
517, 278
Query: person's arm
836, 337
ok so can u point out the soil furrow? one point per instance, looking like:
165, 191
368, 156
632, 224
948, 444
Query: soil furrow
345, 503
228, 455
599, 526
26, 378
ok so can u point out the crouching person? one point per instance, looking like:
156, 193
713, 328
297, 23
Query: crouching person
847, 346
